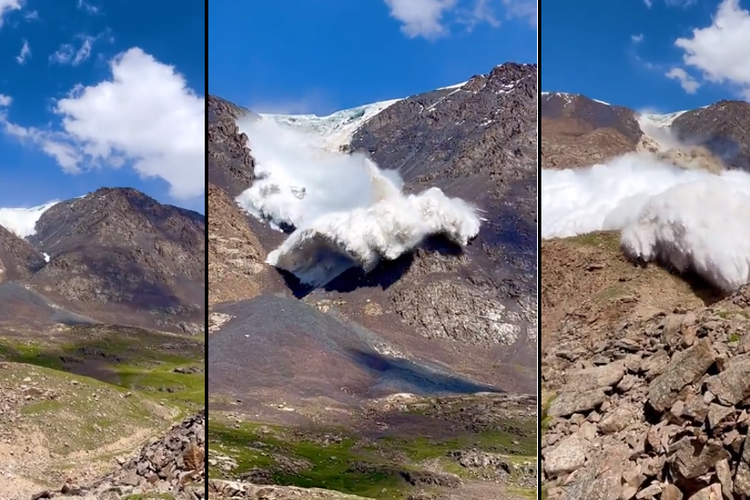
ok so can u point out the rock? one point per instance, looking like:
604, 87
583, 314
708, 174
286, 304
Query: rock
742, 480
568, 403
712, 492
725, 478
568, 456
718, 415
597, 377
732, 385
616, 421
691, 458
670, 492
684, 368
649, 492
601, 479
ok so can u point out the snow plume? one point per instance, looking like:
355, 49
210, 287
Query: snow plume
345, 211
22, 221
688, 219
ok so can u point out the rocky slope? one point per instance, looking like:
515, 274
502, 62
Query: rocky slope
579, 131
652, 408
642, 369
101, 316
172, 466
117, 256
430, 322
18, 258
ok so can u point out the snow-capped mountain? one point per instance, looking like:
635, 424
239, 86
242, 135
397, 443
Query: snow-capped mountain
336, 129
22, 221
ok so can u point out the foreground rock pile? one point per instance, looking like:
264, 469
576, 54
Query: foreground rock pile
659, 409
174, 464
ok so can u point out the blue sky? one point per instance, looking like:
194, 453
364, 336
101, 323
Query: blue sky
145, 130
665, 55
320, 56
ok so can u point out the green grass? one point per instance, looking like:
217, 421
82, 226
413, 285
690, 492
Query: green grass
83, 413
606, 239
128, 358
331, 466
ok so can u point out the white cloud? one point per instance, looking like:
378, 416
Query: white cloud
91, 9
429, 18
637, 38
648, 3
144, 115
67, 53
7, 6
421, 17
687, 82
5, 100
482, 12
31, 16
24, 54
680, 3
523, 9
720, 51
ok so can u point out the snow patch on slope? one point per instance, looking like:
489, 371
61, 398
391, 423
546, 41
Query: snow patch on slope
345, 211
22, 221
335, 130
685, 218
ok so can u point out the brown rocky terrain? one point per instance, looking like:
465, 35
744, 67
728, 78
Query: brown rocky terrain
723, 128
646, 397
433, 322
171, 467
643, 385
580, 132
117, 256
18, 258
101, 348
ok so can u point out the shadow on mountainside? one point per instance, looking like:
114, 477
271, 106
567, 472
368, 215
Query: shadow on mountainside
385, 275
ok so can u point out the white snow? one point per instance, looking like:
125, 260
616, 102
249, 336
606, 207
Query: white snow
345, 210
568, 97
687, 218
22, 221
456, 86
46, 256
334, 130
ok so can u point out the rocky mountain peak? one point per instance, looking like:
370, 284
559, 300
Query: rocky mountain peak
511, 72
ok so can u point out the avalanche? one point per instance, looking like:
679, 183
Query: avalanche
345, 211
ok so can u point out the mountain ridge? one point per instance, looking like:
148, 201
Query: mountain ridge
119, 254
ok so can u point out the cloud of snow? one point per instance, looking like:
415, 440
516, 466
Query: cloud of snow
719, 51
22, 221
345, 211
689, 219
144, 116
